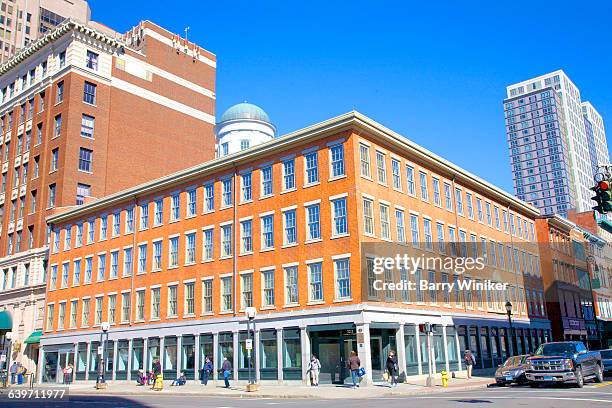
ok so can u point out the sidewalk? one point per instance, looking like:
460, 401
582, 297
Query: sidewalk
327, 391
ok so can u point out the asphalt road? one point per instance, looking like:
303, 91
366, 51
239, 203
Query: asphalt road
591, 396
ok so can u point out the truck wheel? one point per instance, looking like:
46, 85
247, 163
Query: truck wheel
579, 378
599, 374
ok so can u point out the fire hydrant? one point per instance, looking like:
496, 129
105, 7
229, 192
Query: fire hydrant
444, 378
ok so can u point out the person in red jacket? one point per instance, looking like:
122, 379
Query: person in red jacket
353, 364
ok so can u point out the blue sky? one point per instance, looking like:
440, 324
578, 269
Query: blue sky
434, 72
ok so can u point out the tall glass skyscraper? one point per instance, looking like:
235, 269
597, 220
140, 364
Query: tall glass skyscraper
556, 142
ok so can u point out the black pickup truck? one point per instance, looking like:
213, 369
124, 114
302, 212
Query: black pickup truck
563, 362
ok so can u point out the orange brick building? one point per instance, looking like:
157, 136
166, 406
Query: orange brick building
293, 227
86, 112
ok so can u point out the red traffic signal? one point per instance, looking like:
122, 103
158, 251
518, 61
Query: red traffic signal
603, 184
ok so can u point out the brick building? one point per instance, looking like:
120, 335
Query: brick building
86, 112
291, 227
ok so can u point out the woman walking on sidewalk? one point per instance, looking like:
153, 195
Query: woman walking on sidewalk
206, 370
392, 368
353, 364
469, 360
314, 367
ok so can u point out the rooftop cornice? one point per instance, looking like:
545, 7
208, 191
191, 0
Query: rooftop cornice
65, 27
350, 120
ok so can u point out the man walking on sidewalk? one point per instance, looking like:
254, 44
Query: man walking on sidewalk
469, 360
227, 371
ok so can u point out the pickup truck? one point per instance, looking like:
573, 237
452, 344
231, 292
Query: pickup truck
563, 362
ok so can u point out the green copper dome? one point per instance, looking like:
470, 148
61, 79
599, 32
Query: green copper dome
245, 111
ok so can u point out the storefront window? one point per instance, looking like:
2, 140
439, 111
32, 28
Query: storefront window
206, 349
81, 361
268, 355
188, 356
503, 342
169, 363
412, 359
137, 355
109, 357
152, 352
226, 348
451, 346
292, 352
94, 359
438, 345
494, 346
243, 358
122, 360
484, 347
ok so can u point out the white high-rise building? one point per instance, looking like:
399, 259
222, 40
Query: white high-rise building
556, 142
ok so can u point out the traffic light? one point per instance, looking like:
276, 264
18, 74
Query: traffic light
603, 197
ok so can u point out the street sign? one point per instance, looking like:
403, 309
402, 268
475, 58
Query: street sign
100, 350
249, 344
2, 358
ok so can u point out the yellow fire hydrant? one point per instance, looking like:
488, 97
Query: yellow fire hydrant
444, 378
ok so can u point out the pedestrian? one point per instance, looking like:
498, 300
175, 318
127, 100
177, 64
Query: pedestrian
314, 367
150, 377
226, 368
13, 371
141, 379
158, 385
21, 372
353, 364
470, 361
392, 368
207, 369
68, 370
181, 380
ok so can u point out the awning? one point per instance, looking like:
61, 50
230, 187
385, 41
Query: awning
34, 338
6, 321
605, 224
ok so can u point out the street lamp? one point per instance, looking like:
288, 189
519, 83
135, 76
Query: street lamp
512, 336
100, 382
250, 312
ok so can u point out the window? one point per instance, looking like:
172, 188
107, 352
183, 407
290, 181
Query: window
291, 285
127, 262
368, 216
288, 175
172, 301
246, 236
98, 311
190, 248
226, 241
88, 270
89, 93
190, 298
83, 190
157, 255
224, 149
101, 267
488, 209
414, 229
312, 168
497, 221
116, 224
479, 208
144, 216
140, 302
459, 201
155, 302
53, 283
337, 160
427, 233
226, 192
159, 212
175, 207
313, 220
207, 296
49, 325
226, 294
91, 60
59, 95
385, 230
207, 240
395, 171
85, 313
85, 160
290, 233
112, 308
209, 198
343, 278
315, 277
129, 220
103, 227
247, 187
245, 144
79, 235
62, 59
54, 159
399, 226
61, 316
470, 208
246, 286
87, 126
440, 232
67, 238
51, 203
381, 167
452, 239
267, 232
173, 255
340, 226
266, 181
364, 158
268, 288
436, 190
423, 182
57, 126
65, 270
191, 203
142, 258
114, 264
125, 307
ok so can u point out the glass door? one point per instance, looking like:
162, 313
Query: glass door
377, 358
350, 344
50, 369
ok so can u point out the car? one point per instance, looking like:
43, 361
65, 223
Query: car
512, 371
563, 362
606, 360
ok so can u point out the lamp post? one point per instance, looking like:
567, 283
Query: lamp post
512, 334
100, 382
250, 312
